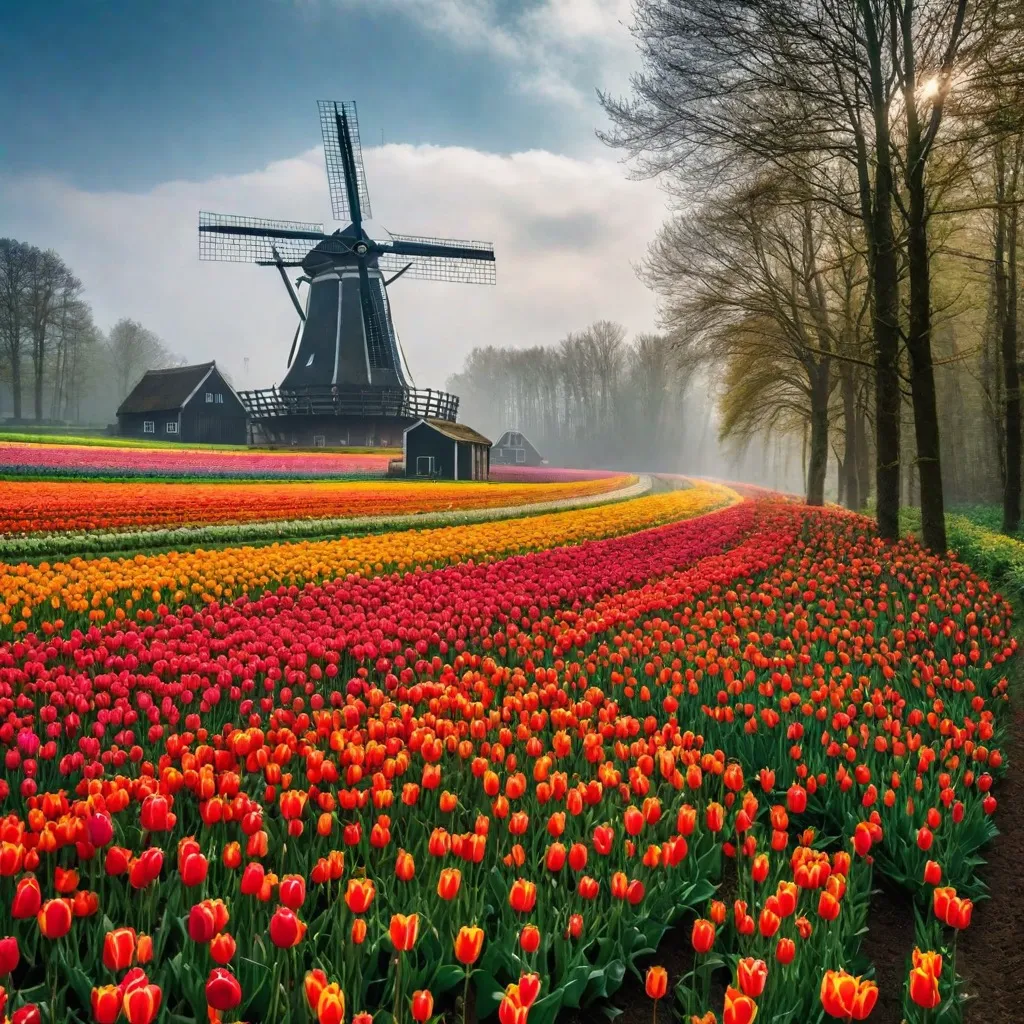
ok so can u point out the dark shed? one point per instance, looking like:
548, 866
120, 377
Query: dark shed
513, 448
447, 451
190, 404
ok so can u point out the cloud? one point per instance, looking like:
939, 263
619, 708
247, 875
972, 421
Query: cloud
565, 231
559, 50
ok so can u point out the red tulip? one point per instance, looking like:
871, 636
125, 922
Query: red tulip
54, 918
292, 891
223, 992
703, 935
142, 1003
106, 1004
422, 1006
752, 975
27, 898
9, 955
286, 930
119, 949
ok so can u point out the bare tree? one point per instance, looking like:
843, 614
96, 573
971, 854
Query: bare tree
50, 284
133, 350
15, 259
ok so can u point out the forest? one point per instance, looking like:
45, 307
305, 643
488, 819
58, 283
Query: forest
56, 364
840, 267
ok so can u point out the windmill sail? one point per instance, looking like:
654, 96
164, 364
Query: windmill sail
344, 157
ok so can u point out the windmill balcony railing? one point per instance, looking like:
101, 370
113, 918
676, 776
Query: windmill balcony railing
410, 403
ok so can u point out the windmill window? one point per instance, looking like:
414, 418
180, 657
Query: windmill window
309, 361
424, 465
209, 398
520, 455
218, 398
319, 440
172, 426
148, 427
515, 439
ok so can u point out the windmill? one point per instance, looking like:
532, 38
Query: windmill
345, 339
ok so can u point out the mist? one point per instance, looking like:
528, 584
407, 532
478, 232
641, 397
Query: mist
597, 399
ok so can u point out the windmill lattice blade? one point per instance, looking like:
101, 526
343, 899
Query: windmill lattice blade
439, 259
335, 162
254, 239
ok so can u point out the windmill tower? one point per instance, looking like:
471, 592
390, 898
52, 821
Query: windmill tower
346, 379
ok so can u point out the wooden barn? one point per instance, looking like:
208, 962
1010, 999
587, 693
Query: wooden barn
513, 448
190, 404
442, 450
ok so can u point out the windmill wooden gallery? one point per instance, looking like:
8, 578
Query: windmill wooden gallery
346, 380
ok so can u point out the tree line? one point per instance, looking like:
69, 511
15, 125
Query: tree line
842, 250
596, 398
56, 364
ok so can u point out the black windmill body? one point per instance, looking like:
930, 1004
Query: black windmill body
347, 380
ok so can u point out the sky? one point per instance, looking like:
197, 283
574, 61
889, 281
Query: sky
477, 120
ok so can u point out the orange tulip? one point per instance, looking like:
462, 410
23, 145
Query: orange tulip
923, 983
330, 1005
656, 982
313, 984
359, 894
222, 948
449, 882
847, 997
405, 866
703, 936
468, 944
739, 1008
403, 931
522, 896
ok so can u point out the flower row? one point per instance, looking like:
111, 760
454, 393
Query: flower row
96, 588
45, 506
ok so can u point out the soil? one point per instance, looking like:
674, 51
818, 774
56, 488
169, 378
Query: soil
990, 953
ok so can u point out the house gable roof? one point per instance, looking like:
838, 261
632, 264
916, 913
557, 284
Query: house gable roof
506, 440
456, 431
165, 389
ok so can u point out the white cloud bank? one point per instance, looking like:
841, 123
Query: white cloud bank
565, 232
555, 49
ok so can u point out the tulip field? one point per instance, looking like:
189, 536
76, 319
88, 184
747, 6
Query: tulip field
488, 770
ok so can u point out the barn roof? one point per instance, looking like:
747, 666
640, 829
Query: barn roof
165, 389
456, 431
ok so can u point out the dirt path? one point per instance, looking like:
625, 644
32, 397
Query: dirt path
991, 951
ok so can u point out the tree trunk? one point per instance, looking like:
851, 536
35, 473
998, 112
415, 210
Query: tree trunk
37, 391
877, 204
863, 452
16, 383
1011, 380
850, 481
818, 462
922, 371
